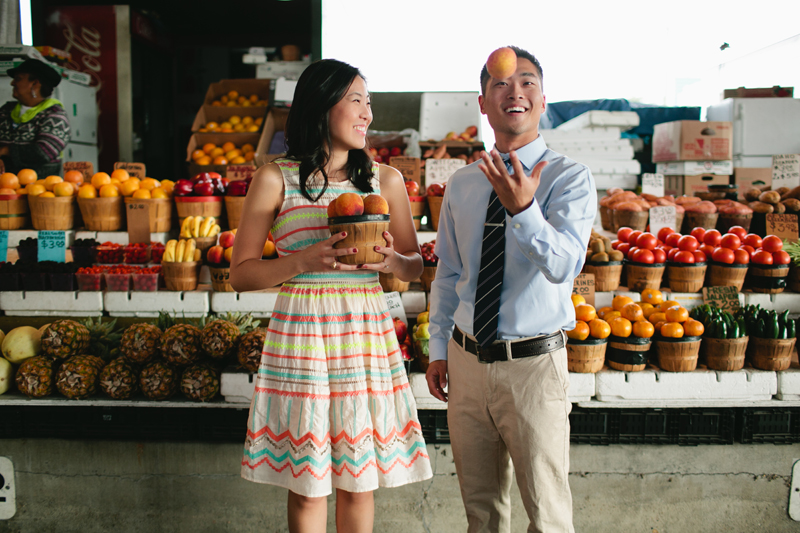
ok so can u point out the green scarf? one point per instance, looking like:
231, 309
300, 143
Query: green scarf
32, 112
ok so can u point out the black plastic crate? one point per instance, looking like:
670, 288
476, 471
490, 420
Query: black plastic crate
769, 426
646, 426
434, 426
593, 426
706, 426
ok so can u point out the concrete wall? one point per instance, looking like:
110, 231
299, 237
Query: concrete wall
101, 486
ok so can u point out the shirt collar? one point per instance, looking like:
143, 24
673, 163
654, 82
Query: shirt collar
530, 154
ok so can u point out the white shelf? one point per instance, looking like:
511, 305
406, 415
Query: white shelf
148, 304
59, 303
258, 303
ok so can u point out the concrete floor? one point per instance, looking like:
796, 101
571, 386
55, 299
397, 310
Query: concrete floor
94, 486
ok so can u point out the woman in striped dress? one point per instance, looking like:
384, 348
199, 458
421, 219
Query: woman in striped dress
332, 407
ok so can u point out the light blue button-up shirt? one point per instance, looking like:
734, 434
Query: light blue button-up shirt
545, 250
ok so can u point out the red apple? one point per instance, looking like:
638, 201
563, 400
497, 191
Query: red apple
237, 188
215, 254
384, 152
472, 130
435, 189
226, 239
412, 188
395, 151
204, 188
400, 329
406, 352
182, 188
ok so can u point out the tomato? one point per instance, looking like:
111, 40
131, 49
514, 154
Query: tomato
698, 233
771, 243
683, 256
659, 255
644, 256
781, 258
624, 247
712, 237
665, 248
730, 241
738, 231
671, 254
699, 256
741, 256
749, 249
672, 239
623, 232
615, 244
723, 255
663, 232
687, 243
752, 240
646, 241
707, 249
762, 258
633, 236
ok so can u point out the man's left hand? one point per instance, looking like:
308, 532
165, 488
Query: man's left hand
515, 191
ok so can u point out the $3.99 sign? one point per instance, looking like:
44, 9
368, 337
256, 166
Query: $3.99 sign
51, 246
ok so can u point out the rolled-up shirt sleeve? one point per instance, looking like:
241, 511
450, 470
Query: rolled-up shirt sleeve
444, 299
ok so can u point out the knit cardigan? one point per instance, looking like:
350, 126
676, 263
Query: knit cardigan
35, 144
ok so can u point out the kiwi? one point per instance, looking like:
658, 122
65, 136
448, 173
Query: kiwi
597, 246
616, 255
600, 257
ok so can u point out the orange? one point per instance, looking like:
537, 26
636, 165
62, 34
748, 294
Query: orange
228, 146
581, 331
26, 176
647, 311
233, 153
212, 125
585, 312
100, 179
672, 330
9, 181
239, 128
238, 161
216, 152
50, 182
235, 119
142, 194
64, 188
75, 177
652, 296
6, 190
677, 314
115, 182
35, 189
599, 328
269, 247
259, 121
167, 185
252, 128
249, 156
643, 329
203, 130
208, 147
611, 315
223, 99
21, 190
262, 103
603, 310
233, 95
216, 103
158, 192
658, 316
247, 120
231, 103
693, 328
47, 194
632, 312
621, 327
149, 184
87, 191
205, 160
121, 174
658, 325
253, 98
109, 191
197, 154
667, 304
226, 130
128, 187
620, 301
220, 160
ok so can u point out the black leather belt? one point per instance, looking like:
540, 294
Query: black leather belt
523, 348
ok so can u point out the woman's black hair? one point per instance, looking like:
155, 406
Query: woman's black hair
321, 86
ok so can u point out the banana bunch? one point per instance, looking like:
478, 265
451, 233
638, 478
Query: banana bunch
194, 227
184, 250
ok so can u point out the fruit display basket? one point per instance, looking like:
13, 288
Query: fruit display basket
435, 207
767, 279
724, 354
14, 212
160, 212
643, 276
677, 354
637, 220
55, 214
202, 206
628, 354
220, 279
181, 276
418, 205
364, 232
233, 209
607, 275
686, 277
770, 354
723, 275
586, 356
102, 214
698, 220
390, 283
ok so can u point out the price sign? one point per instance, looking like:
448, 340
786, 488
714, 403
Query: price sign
4, 245
409, 167
662, 216
84, 167
440, 170
239, 172
653, 184
784, 226
584, 286
785, 171
395, 305
52, 246
136, 170
138, 217
726, 298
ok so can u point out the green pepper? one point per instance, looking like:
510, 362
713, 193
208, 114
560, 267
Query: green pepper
759, 329
773, 328
782, 333
742, 327
791, 329
733, 332
722, 329
784, 318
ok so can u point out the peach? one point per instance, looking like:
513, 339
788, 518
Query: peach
227, 254
332, 209
502, 63
375, 204
226, 239
215, 254
349, 204
269, 249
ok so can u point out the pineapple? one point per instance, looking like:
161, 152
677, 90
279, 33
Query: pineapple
141, 342
249, 350
65, 338
181, 344
159, 380
200, 383
35, 376
78, 376
119, 379
219, 338
104, 337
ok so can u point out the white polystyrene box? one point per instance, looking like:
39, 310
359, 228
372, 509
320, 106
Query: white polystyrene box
148, 304
603, 182
414, 302
789, 384
625, 120
260, 304
779, 302
57, 303
581, 387
422, 395
237, 385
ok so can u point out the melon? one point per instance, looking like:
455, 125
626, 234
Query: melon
2, 336
21, 343
6, 375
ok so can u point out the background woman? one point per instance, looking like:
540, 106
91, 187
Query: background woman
332, 407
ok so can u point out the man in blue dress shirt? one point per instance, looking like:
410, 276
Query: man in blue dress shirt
508, 395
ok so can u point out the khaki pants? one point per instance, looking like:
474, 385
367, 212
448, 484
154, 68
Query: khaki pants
511, 411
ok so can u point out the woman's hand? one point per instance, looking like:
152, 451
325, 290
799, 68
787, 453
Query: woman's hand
389, 256
323, 256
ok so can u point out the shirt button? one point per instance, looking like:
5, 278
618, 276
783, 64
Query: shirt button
516, 226
530, 253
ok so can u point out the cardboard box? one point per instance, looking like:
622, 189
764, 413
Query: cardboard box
409, 167
762, 92
275, 122
747, 178
691, 185
692, 140
209, 113
245, 87
695, 168
198, 140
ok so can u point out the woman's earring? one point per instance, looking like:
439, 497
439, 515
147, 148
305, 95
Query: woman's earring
33, 94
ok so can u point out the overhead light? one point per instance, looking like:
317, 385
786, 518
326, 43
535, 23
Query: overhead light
26, 28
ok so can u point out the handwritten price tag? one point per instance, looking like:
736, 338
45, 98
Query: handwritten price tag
239, 172
785, 171
662, 217
784, 226
4, 245
726, 298
395, 305
653, 184
440, 170
52, 246
409, 167
137, 170
584, 286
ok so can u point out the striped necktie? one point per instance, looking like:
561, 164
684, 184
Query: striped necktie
490, 276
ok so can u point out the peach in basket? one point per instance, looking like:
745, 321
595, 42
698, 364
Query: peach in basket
364, 219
